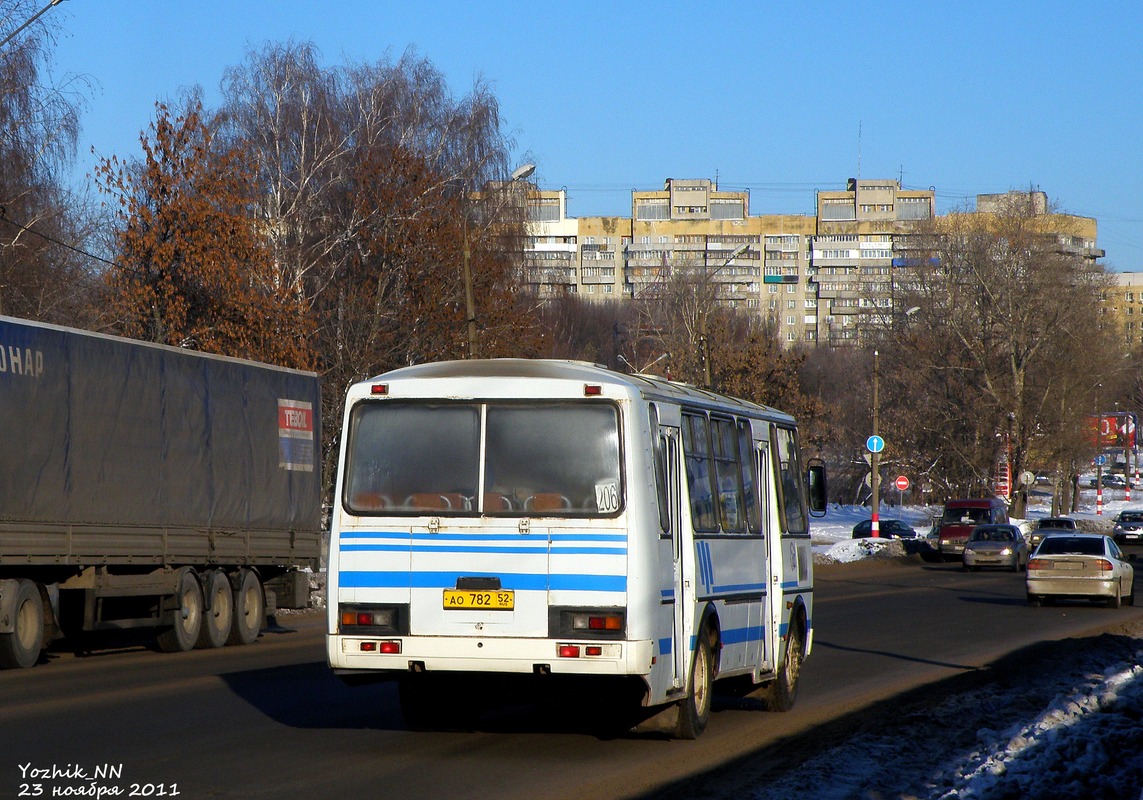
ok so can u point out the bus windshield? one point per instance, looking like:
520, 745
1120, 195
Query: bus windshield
539, 458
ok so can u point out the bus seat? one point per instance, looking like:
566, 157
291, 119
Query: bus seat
548, 501
494, 501
457, 501
370, 501
430, 500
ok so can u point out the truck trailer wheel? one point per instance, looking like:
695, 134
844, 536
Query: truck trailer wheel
183, 635
218, 617
21, 648
249, 608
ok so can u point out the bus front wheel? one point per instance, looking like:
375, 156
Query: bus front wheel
694, 709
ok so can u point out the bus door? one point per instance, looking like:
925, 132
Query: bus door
683, 589
772, 602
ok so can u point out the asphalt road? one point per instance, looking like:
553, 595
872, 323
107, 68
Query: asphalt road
271, 721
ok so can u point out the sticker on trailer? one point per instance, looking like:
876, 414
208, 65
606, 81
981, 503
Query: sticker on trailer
296, 435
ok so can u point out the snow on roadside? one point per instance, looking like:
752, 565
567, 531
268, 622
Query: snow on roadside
1076, 732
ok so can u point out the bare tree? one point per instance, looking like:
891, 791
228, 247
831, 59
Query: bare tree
43, 273
1003, 310
368, 175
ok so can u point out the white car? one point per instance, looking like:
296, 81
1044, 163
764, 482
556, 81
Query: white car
1080, 566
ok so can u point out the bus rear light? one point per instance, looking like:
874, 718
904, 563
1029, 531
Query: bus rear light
380, 620
379, 388
567, 650
587, 623
597, 622
593, 650
592, 390
392, 648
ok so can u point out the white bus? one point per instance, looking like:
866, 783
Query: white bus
556, 518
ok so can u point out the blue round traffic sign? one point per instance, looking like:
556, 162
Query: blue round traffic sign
875, 444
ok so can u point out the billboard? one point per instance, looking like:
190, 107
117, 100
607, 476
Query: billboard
1112, 430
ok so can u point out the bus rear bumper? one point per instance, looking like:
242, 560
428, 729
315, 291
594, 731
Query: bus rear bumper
519, 656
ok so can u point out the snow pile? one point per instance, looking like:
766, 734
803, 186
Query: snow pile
1084, 741
1073, 729
1087, 743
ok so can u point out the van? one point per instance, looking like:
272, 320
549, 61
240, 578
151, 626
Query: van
961, 516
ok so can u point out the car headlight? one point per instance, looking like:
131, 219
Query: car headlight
1007, 551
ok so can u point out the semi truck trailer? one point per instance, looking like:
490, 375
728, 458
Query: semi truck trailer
148, 486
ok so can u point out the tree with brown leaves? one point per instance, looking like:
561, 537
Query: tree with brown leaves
193, 269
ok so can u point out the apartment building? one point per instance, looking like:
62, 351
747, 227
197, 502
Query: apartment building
1123, 306
822, 278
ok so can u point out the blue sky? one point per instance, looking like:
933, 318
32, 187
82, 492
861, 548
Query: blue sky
782, 99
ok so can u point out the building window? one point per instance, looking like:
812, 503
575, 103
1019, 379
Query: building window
653, 208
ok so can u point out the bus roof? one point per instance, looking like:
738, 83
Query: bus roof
652, 387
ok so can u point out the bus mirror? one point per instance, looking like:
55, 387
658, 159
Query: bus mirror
816, 484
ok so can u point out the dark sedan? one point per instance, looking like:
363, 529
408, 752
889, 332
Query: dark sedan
886, 529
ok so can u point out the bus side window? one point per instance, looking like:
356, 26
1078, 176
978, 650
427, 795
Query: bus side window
661, 484
696, 448
659, 442
749, 477
789, 468
728, 476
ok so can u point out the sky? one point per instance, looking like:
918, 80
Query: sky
780, 99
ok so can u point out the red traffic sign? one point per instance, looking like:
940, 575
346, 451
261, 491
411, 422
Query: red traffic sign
902, 483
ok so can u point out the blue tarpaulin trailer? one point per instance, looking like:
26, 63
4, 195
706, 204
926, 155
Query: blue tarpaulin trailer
146, 485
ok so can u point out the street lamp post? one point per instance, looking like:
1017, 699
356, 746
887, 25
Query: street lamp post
519, 174
875, 461
704, 343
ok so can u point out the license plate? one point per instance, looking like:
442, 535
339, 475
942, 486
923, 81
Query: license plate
468, 599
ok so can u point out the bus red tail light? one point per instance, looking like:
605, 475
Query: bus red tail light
568, 650
392, 648
383, 620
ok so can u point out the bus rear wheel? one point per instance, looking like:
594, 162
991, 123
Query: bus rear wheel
781, 693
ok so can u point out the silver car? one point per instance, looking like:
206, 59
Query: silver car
1048, 526
1080, 566
1128, 527
998, 545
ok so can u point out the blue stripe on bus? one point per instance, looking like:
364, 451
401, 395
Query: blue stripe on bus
447, 580
739, 588
539, 549
484, 537
752, 633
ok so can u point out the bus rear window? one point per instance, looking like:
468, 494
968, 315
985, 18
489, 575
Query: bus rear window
551, 458
412, 457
